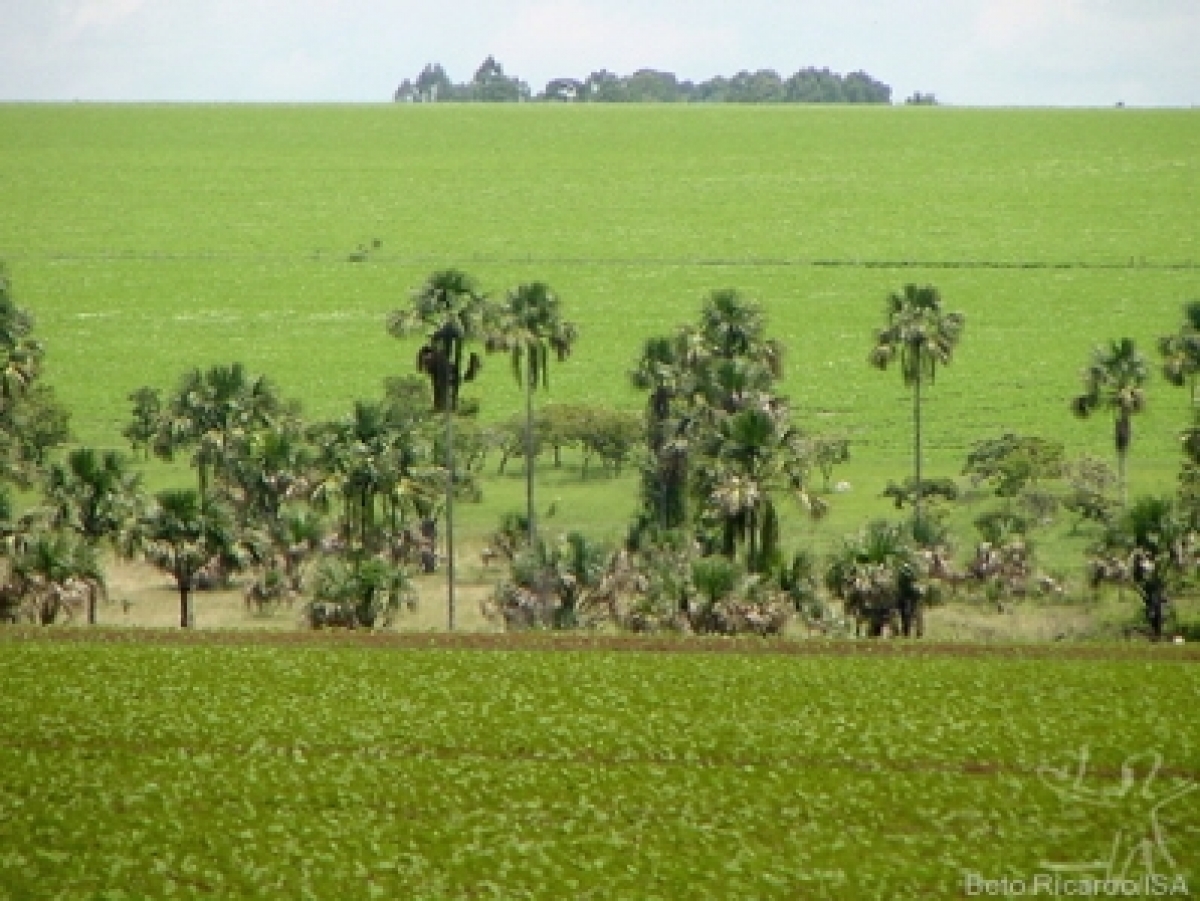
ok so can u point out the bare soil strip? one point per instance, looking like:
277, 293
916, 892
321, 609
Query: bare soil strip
544, 641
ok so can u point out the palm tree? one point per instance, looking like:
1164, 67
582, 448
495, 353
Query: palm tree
1181, 351
54, 568
749, 459
1115, 380
922, 336
361, 591
661, 372
94, 493
1153, 547
297, 536
528, 328
355, 456
268, 467
181, 534
733, 328
878, 574
144, 423
449, 303
696, 378
213, 411
20, 355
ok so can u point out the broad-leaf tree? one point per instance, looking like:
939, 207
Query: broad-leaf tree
1115, 381
921, 336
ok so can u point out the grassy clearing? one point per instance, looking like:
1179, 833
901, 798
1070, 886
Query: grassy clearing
322, 769
152, 239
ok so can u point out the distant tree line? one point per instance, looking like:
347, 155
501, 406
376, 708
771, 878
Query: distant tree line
491, 85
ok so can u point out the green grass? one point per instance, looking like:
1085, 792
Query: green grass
151, 239
209, 769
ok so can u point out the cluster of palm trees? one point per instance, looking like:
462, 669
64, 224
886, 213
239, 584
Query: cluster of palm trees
1152, 542
267, 482
722, 452
370, 490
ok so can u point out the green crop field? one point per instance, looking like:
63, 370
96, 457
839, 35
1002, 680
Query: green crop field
148, 240
210, 766
152, 239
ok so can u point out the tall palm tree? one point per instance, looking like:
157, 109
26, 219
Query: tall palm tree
1181, 351
1115, 380
661, 372
921, 336
181, 534
450, 304
529, 327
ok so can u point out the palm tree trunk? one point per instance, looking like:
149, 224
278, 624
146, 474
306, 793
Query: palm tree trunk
1154, 611
752, 549
917, 446
1121, 458
450, 519
1122, 438
529, 454
185, 611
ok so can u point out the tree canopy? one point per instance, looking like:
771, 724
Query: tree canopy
491, 85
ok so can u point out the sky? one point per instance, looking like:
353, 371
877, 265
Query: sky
967, 52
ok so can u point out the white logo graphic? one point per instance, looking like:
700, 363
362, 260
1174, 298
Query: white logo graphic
1139, 846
